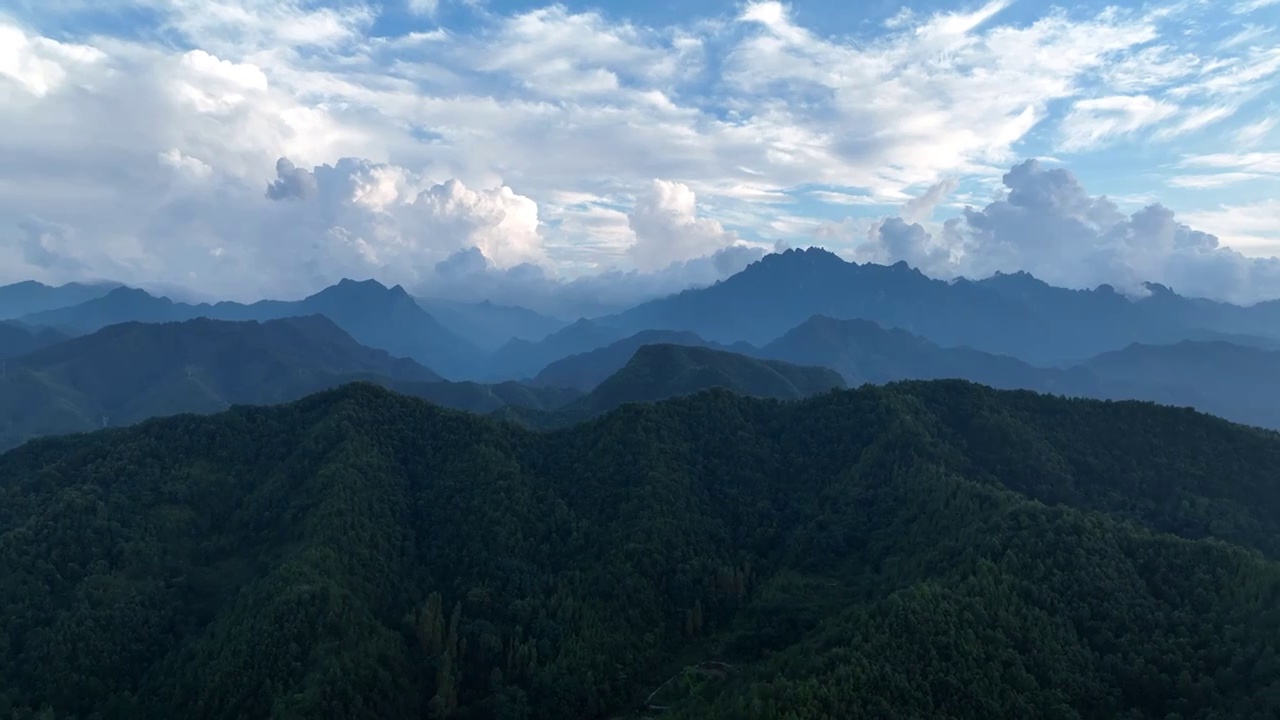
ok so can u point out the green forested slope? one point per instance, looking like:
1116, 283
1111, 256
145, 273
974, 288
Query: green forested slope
914, 550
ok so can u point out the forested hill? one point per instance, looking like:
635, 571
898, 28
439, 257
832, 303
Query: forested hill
906, 551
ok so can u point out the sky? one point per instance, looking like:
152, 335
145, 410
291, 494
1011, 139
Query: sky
266, 148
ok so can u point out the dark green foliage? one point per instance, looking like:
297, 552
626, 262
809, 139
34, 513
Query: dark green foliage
916, 550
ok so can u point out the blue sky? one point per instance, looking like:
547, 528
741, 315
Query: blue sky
664, 142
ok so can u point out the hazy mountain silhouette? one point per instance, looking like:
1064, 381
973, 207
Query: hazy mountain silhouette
29, 296
522, 359
18, 339
375, 315
488, 325
661, 371
1240, 383
1236, 382
1014, 315
132, 371
586, 370
864, 352
1110, 320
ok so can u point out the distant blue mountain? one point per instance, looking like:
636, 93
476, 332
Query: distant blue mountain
522, 359
19, 339
489, 325
27, 297
584, 371
373, 314
1014, 315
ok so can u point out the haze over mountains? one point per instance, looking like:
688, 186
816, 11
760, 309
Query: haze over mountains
869, 323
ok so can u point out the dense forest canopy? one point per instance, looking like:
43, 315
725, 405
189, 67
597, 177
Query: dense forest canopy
913, 550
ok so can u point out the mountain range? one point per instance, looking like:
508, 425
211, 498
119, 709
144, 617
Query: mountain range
30, 297
1014, 315
377, 316
784, 496
1197, 367
133, 371
18, 339
1007, 314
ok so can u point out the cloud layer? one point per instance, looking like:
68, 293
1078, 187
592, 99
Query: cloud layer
1048, 224
269, 148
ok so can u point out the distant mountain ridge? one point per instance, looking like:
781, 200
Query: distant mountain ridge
489, 325
1013, 315
1236, 382
375, 315
18, 339
522, 359
29, 296
584, 371
660, 371
132, 371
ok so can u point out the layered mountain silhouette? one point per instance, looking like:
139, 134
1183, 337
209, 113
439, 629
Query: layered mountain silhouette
660, 371
27, 297
133, 371
522, 359
489, 325
375, 315
586, 370
129, 372
864, 352
1011, 315
1236, 382
18, 339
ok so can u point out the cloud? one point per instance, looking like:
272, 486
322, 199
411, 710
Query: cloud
667, 228
423, 7
920, 208
260, 148
1252, 228
1048, 224
1096, 121
1248, 6
46, 245
1227, 169
468, 275
1254, 133
291, 183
